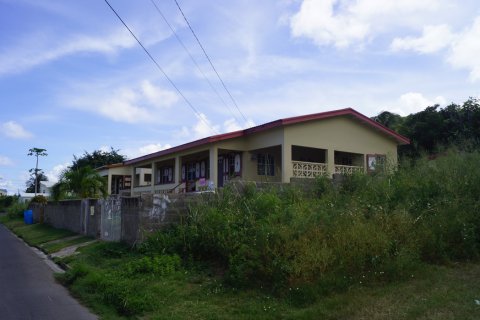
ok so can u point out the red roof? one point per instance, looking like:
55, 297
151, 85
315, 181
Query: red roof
274, 124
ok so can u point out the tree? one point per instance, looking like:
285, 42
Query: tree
37, 152
83, 182
30, 184
390, 120
97, 159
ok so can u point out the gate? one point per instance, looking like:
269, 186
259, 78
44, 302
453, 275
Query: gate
111, 225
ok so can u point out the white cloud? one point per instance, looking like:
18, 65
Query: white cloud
433, 39
54, 174
204, 127
157, 96
230, 125
134, 104
151, 148
38, 49
343, 23
412, 102
14, 130
465, 51
5, 161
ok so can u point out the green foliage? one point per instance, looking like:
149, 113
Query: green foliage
97, 159
432, 129
160, 265
16, 209
30, 184
39, 199
84, 182
7, 201
368, 229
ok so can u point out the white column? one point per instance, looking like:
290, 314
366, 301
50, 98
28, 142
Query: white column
213, 164
176, 170
152, 186
287, 169
331, 161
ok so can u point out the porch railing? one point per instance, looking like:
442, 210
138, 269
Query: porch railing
303, 169
348, 169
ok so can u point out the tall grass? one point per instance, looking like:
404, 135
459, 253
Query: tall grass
369, 229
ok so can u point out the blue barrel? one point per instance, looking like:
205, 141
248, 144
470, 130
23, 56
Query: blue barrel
28, 216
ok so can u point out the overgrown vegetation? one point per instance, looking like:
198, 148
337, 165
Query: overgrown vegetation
370, 229
434, 128
363, 249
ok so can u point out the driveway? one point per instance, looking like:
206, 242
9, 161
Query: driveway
27, 287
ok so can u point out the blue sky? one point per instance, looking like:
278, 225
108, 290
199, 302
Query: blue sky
72, 79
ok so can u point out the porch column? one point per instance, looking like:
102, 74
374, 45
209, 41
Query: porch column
152, 182
176, 170
287, 168
331, 162
213, 164
109, 181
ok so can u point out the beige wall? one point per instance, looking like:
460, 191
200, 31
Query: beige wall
337, 134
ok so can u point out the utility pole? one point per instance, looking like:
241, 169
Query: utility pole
37, 152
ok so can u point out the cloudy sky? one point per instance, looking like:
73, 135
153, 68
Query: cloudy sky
73, 79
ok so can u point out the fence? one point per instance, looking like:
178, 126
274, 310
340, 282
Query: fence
115, 218
130, 219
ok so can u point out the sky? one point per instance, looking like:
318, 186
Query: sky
73, 79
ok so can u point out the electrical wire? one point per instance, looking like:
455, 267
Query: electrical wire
210, 61
162, 71
193, 59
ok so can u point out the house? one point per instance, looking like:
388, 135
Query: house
335, 142
119, 178
45, 188
3, 192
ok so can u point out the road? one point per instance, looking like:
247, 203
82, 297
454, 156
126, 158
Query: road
27, 287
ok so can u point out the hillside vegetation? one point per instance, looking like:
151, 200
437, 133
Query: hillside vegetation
287, 253
369, 229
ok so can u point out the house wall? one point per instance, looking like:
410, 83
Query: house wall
337, 134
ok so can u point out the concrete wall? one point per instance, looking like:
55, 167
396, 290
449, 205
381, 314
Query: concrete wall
116, 219
79, 216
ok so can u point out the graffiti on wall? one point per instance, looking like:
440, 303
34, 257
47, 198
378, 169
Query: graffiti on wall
159, 207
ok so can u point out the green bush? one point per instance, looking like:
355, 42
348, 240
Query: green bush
16, 209
39, 199
367, 229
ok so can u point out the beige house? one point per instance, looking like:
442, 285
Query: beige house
335, 142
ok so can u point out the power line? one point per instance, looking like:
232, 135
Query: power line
162, 71
210, 61
192, 58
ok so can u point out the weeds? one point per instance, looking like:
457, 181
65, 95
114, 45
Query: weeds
371, 228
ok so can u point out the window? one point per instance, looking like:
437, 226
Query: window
148, 177
165, 175
265, 165
376, 162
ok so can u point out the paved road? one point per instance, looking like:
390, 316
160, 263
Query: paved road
27, 287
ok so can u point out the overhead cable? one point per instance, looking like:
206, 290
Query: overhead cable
193, 59
198, 114
210, 61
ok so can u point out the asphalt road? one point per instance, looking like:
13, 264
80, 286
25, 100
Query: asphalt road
27, 287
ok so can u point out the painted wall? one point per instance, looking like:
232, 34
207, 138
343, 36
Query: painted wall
337, 134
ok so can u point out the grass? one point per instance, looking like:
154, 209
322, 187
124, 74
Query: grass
197, 291
35, 234
399, 246
432, 292
54, 246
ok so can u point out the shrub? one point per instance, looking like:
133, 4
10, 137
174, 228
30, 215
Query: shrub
39, 199
368, 228
16, 209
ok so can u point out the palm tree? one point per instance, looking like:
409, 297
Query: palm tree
83, 182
